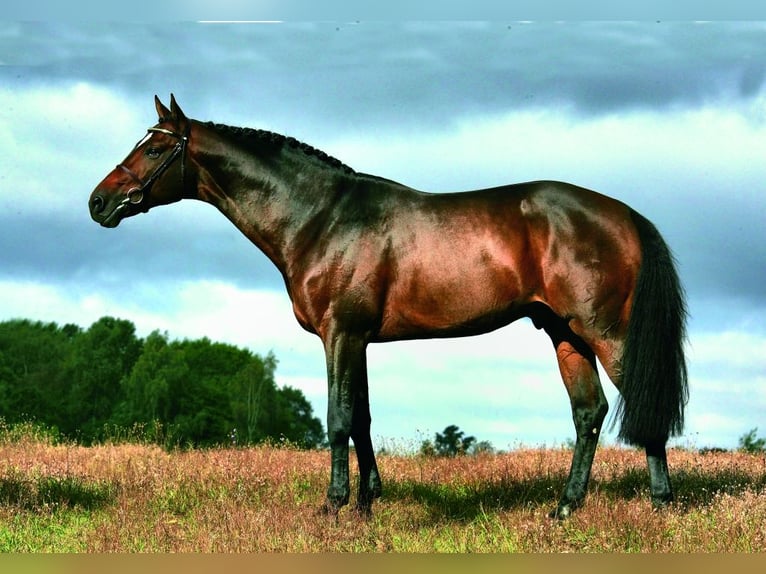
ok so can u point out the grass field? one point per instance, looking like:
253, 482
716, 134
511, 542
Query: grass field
140, 498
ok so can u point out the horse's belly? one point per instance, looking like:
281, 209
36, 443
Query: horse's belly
461, 278
466, 305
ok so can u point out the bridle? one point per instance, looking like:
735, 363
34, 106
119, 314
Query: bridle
138, 194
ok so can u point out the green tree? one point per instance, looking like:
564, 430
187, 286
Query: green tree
199, 409
262, 410
251, 393
295, 420
102, 357
199, 391
146, 390
451, 442
32, 356
749, 443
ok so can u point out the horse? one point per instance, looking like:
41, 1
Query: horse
367, 260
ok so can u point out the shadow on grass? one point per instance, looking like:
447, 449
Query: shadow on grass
52, 493
697, 488
464, 502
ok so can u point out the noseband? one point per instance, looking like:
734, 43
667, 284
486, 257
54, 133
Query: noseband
137, 195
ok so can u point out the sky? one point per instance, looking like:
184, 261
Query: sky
669, 117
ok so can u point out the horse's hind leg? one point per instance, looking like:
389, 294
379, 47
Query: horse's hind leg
656, 457
589, 408
659, 477
577, 364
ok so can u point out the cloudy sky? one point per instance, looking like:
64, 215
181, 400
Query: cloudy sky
667, 117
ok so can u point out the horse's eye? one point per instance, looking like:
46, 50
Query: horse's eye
152, 153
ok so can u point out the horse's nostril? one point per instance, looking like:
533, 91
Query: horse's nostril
97, 204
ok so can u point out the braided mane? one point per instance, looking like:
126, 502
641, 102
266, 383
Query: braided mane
255, 137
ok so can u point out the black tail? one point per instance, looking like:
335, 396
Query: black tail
654, 380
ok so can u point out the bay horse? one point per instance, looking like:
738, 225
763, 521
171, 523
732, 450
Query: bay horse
367, 260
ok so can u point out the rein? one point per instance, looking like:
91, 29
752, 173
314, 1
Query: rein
137, 195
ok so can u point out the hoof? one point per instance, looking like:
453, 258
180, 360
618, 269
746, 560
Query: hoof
328, 509
661, 502
564, 510
363, 512
560, 512
363, 507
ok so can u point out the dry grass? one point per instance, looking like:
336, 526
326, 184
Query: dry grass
139, 498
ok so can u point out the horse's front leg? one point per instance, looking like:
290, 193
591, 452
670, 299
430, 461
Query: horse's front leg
369, 478
348, 416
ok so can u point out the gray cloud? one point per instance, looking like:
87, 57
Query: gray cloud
370, 74
70, 248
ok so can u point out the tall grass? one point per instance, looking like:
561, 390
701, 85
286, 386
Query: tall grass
137, 497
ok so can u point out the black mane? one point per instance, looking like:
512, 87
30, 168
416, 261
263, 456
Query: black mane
260, 138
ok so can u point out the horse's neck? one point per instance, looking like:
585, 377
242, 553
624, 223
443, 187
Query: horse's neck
271, 206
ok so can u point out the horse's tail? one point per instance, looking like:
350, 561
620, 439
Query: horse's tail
654, 378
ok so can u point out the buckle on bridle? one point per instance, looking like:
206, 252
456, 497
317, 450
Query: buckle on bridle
135, 195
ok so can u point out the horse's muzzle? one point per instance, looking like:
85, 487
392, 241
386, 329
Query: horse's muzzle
98, 205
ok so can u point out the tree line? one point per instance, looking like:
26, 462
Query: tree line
454, 442
85, 383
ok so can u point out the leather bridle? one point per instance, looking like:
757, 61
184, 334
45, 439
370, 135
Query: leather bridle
138, 194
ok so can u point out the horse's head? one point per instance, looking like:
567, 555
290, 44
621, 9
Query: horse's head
154, 173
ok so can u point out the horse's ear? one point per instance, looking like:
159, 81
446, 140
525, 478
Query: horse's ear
175, 109
162, 111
